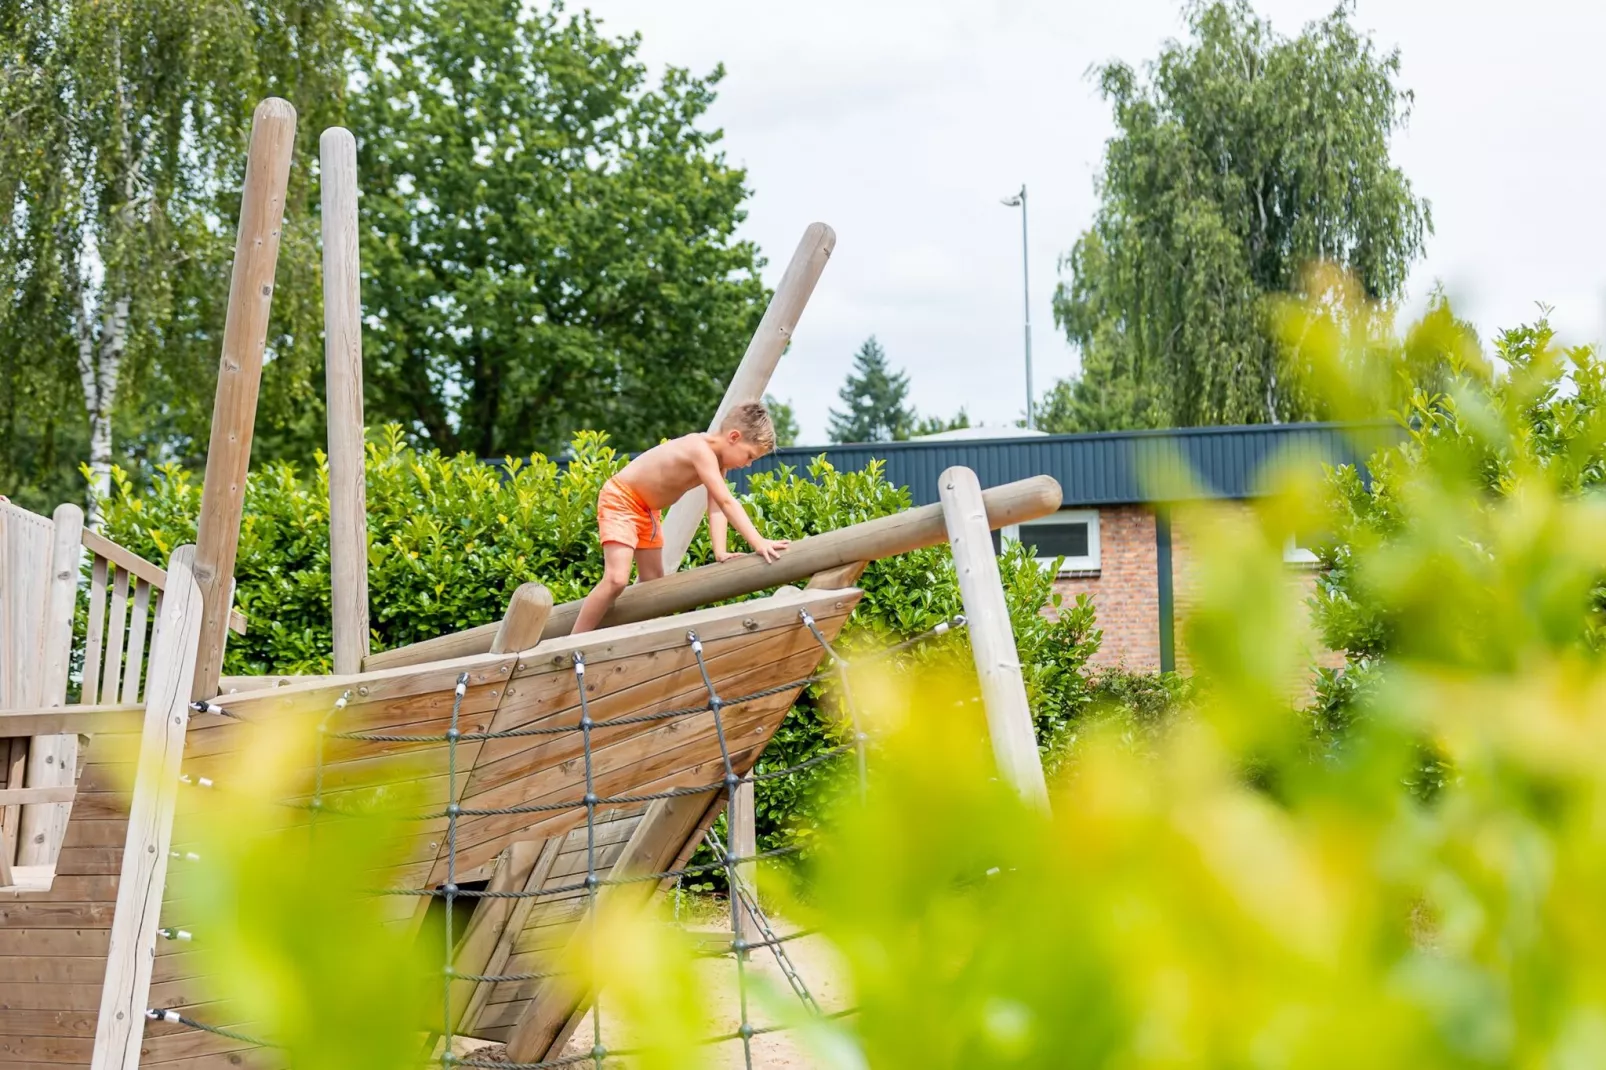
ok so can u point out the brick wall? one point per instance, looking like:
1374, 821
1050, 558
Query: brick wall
1125, 591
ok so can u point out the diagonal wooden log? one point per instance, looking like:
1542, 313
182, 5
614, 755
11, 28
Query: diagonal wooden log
753, 374
245, 334
885, 536
120, 1026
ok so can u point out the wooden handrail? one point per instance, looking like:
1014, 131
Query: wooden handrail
139, 568
60, 720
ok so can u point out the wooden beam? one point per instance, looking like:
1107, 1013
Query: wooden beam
834, 579
56, 793
753, 373
53, 760
527, 613
516, 920
655, 841
744, 828
992, 637
78, 720
342, 358
245, 333
120, 1026
141, 569
871, 540
487, 927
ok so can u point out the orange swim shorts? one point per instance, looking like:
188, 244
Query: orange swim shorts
623, 517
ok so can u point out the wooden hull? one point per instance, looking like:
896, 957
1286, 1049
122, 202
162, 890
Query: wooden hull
53, 943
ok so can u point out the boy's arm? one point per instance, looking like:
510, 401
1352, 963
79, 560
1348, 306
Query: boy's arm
718, 528
720, 497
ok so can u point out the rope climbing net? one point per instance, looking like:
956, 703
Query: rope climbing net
743, 899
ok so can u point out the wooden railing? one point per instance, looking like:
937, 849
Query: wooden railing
115, 644
41, 570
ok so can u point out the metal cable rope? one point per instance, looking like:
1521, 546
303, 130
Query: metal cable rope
729, 861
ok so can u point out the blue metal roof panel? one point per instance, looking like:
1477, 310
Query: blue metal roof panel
1112, 468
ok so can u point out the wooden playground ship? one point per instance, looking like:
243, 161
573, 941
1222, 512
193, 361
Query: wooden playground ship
614, 739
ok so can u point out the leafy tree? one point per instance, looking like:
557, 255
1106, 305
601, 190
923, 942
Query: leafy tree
785, 419
1542, 419
1241, 158
124, 122
932, 425
549, 240
875, 398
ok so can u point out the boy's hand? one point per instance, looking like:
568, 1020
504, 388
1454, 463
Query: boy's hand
770, 549
721, 556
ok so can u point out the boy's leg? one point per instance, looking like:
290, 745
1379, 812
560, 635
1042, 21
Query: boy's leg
649, 564
616, 558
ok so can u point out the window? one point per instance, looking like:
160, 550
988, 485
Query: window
1070, 533
1295, 553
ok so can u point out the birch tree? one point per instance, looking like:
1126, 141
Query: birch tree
122, 126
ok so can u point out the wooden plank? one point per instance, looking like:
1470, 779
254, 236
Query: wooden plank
52, 944
27, 796
96, 628
342, 350
231, 684
26, 540
31, 915
835, 578
752, 375
115, 628
85, 720
141, 569
489, 926
992, 637
871, 540
657, 839
150, 827
527, 613
17, 1023
245, 330
136, 642
15, 753
53, 759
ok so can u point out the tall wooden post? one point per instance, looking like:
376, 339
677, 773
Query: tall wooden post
130, 959
342, 356
992, 638
753, 374
245, 333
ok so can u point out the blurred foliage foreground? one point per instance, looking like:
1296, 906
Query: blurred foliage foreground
1248, 887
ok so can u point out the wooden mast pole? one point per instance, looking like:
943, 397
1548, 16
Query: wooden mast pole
992, 638
342, 354
753, 374
245, 333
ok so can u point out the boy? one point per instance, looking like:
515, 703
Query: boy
628, 507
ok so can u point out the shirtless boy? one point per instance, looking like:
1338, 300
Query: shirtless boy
628, 507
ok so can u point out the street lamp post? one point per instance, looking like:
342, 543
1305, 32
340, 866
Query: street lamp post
1019, 201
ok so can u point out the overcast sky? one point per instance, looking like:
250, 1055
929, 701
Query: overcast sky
903, 122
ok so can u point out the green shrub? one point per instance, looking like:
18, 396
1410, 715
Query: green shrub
451, 538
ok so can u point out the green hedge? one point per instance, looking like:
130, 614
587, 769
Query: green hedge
451, 538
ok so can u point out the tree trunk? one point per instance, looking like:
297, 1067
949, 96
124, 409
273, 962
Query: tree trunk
100, 364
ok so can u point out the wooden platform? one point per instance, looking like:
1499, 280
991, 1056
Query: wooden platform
53, 942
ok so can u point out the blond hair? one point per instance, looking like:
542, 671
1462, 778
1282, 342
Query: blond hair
753, 420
